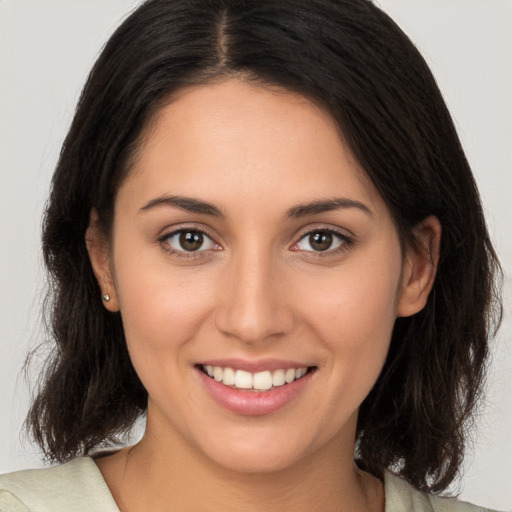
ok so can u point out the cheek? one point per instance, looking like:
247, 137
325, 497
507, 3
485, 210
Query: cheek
161, 308
161, 314
354, 317
356, 303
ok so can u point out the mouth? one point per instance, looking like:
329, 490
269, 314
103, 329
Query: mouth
266, 380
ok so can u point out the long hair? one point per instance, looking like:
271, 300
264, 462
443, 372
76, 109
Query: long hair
351, 58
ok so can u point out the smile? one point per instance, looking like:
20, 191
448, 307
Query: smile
258, 381
255, 388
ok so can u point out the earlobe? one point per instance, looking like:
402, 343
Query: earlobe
420, 266
97, 247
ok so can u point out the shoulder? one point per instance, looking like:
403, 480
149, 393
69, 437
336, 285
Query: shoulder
75, 486
402, 497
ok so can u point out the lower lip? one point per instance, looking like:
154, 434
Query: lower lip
254, 403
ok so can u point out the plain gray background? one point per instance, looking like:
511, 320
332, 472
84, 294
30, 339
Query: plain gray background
46, 50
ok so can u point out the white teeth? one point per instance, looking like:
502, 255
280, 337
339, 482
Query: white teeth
218, 373
278, 378
289, 376
229, 377
243, 379
261, 381
300, 372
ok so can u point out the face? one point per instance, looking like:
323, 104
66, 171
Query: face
258, 274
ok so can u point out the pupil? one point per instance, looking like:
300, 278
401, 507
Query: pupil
320, 241
191, 240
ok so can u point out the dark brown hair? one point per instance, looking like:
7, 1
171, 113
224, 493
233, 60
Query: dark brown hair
353, 59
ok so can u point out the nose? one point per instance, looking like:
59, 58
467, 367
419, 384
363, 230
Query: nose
254, 307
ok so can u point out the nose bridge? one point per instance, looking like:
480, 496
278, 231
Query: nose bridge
254, 307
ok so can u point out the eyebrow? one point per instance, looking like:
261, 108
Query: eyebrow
188, 204
327, 205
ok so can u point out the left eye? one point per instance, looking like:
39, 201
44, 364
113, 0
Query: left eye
321, 241
190, 240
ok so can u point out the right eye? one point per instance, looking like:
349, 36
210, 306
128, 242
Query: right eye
188, 241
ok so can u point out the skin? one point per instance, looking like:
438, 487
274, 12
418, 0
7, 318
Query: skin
258, 290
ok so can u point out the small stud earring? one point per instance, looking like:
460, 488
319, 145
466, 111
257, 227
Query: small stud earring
106, 297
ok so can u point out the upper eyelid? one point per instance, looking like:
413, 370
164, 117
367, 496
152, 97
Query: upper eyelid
346, 241
342, 232
167, 232
163, 239
166, 246
299, 235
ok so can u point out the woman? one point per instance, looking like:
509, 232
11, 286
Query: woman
263, 234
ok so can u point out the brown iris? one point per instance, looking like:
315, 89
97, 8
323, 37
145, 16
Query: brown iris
320, 241
191, 240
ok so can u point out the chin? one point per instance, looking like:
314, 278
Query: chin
257, 462
256, 455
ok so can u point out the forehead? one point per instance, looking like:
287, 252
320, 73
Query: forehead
232, 139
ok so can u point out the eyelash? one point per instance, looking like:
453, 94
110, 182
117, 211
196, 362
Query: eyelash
164, 242
345, 243
345, 240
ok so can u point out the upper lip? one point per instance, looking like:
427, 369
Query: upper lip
259, 365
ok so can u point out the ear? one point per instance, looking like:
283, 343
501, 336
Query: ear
97, 247
420, 265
